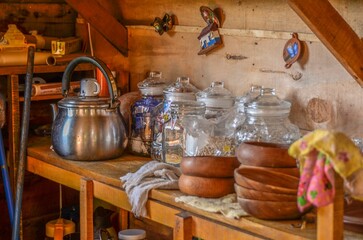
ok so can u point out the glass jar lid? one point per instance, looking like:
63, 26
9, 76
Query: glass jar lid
182, 89
153, 85
216, 96
249, 96
268, 104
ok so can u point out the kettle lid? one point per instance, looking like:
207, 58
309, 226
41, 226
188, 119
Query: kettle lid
86, 102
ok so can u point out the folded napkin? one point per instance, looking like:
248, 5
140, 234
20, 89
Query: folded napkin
226, 205
153, 174
320, 153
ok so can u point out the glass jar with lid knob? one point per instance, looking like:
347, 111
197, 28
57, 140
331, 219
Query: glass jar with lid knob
228, 123
173, 134
267, 120
141, 111
180, 90
217, 98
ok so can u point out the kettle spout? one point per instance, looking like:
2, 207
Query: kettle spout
54, 110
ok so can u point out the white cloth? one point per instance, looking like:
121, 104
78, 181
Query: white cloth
153, 174
227, 205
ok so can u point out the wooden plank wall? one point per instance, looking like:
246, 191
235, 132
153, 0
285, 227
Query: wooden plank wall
53, 18
49, 18
325, 96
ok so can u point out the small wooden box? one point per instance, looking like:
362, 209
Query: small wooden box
66, 46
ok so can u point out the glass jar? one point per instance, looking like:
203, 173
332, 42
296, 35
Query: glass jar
180, 90
267, 120
217, 98
202, 139
228, 123
181, 112
141, 126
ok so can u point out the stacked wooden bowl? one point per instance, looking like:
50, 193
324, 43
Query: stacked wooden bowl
209, 177
267, 180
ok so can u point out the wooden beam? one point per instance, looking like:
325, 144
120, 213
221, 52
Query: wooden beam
334, 32
99, 18
183, 226
330, 225
124, 217
13, 126
86, 209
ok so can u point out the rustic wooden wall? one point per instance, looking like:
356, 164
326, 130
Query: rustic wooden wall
254, 34
48, 18
53, 18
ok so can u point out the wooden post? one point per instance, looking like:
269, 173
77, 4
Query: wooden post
124, 219
330, 224
183, 226
14, 126
86, 209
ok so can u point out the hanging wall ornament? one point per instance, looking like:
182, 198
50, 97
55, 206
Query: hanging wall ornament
209, 38
163, 25
292, 50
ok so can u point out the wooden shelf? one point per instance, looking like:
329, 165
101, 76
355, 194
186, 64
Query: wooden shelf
12, 70
235, 32
44, 97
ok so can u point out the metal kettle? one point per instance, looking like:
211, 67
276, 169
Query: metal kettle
87, 127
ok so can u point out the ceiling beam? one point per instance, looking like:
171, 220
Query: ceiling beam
334, 32
99, 18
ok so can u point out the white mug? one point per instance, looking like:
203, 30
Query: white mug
89, 87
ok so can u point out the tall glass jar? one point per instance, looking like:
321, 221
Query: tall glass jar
217, 98
181, 112
141, 127
267, 120
180, 90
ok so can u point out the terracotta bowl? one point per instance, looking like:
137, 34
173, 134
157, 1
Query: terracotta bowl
270, 210
263, 196
209, 166
293, 171
264, 155
206, 187
266, 181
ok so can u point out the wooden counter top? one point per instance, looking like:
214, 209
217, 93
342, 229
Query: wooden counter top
161, 205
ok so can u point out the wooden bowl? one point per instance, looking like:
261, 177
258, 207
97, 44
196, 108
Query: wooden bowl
293, 171
263, 196
206, 187
266, 181
264, 155
209, 166
270, 210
